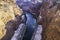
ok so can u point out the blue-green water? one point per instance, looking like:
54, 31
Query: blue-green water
31, 22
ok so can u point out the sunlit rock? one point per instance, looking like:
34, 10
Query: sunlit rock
19, 33
8, 11
2, 29
37, 35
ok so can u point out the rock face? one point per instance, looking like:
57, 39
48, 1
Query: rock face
19, 33
51, 22
8, 11
37, 35
30, 6
47, 14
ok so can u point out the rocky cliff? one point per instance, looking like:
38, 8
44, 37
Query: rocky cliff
8, 11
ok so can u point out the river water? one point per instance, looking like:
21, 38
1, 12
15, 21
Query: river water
31, 22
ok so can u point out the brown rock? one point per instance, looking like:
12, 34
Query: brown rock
51, 21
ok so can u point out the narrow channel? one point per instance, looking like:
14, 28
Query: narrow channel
31, 22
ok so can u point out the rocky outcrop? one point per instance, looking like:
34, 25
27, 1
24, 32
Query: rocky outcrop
50, 12
8, 11
37, 35
19, 33
49, 18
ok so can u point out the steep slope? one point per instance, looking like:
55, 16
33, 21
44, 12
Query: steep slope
8, 11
